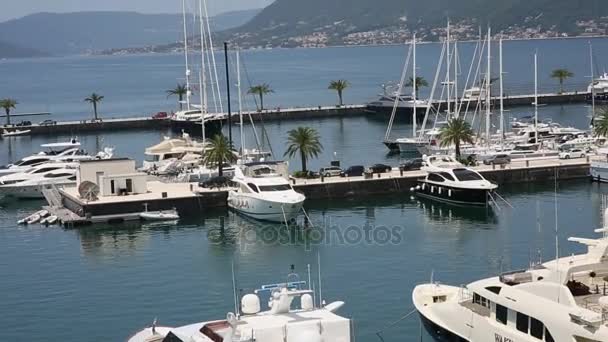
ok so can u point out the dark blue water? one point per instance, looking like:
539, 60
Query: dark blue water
105, 282
136, 85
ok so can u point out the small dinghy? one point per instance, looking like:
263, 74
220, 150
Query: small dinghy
33, 219
16, 133
49, 220
162, 215
36, 217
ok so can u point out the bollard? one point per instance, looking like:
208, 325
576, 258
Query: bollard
322, 179
527, 163
401, 172
191, 187
493, 166
293, 180
379, 175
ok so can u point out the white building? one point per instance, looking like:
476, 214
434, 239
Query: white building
115, 177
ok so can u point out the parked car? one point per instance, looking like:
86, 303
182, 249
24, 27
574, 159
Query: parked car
160, 115
412, 165
354, 171
24, 123
499, 159
380, 168
574, 153
48, 122
330, 171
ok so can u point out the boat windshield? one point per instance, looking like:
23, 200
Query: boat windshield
279, 187
152, 158
464, 175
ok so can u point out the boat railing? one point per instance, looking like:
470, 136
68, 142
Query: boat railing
464, 294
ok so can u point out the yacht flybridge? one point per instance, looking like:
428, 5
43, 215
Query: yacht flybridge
284, 322
61, 151
447, 180
561, 300
182, 148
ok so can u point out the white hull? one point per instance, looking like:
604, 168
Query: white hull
408, 145
599, 171
265, 210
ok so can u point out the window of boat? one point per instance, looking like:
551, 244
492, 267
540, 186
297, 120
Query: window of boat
435, 177
466, 175
253, 187
522, 322
447, 176
494, 289
536, 328
30, 162
280, 187
548, 336
501, 314
152, 158
45, 169
57, 175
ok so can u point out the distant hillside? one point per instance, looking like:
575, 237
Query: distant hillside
81, 32
8, 50
289, 22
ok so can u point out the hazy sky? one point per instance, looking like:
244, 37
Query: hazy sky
18, 8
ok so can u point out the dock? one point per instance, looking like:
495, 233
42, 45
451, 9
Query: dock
189, 199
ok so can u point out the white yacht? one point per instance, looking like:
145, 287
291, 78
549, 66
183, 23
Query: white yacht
405, 103
599, 85
293, 317
264, 193
599, 166
449, 181
62, 151
29, 184
561, 300
183, 149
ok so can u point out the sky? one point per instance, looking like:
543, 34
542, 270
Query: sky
18, 8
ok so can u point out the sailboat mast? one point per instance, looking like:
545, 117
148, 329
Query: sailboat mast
448, 69
228, 93
202, 76
217, 82
592, 83
456, 77
502, 103
186, 54
238, 84
414, 88
535, 97
488, 87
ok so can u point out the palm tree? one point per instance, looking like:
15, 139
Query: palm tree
8, 104
303, 140
457, 131
561, 75
94, 99
219, 153
260, 90
180, 91
600, 125
339, 86
420, 82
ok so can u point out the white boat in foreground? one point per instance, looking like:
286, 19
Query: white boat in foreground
284, 322
561, 300
161, 215
15, 133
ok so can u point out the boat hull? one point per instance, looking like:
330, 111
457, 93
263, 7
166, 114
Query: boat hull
453, 195
212, 127
27, 192
599, 172
263, 210
439, 333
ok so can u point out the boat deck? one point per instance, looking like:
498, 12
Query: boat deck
476, 308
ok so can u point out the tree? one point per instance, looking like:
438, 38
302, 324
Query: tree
457, 131
8, 104
561, 75
420, 83
339, 86
260, 90
219, 153
94, 99
600, 125
180, 91
306, 142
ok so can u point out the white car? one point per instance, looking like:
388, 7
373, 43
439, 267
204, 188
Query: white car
332, 171
574, 153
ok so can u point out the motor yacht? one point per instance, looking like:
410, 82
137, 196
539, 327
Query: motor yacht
449, 181
30, 183
405, 103
599, 86
182, 148
264, 192
62, 151
293, 317
565, 299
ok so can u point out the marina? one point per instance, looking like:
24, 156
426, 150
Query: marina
118, 227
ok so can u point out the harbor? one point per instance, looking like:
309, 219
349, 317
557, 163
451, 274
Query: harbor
105, 212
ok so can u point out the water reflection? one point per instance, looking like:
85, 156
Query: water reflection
456, 215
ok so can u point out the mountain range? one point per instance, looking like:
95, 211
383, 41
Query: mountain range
84, 32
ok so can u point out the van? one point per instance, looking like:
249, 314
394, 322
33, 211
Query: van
354, 171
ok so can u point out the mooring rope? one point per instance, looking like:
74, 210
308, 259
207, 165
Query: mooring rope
379, 332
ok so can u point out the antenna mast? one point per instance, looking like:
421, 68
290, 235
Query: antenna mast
186, 54
414, 87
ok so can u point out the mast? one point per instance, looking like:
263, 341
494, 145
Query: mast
535, 97
228, 93
186, 55
202, 76
448, 68
414, 88
488, 87
592, 84
217, 81
238, 84
456, 76
502, 104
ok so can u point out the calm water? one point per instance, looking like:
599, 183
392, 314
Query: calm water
104, 282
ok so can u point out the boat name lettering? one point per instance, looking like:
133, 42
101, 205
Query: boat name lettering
499, 338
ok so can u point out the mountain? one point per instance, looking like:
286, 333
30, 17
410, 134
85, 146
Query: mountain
8, 50
81, 32
291, 22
